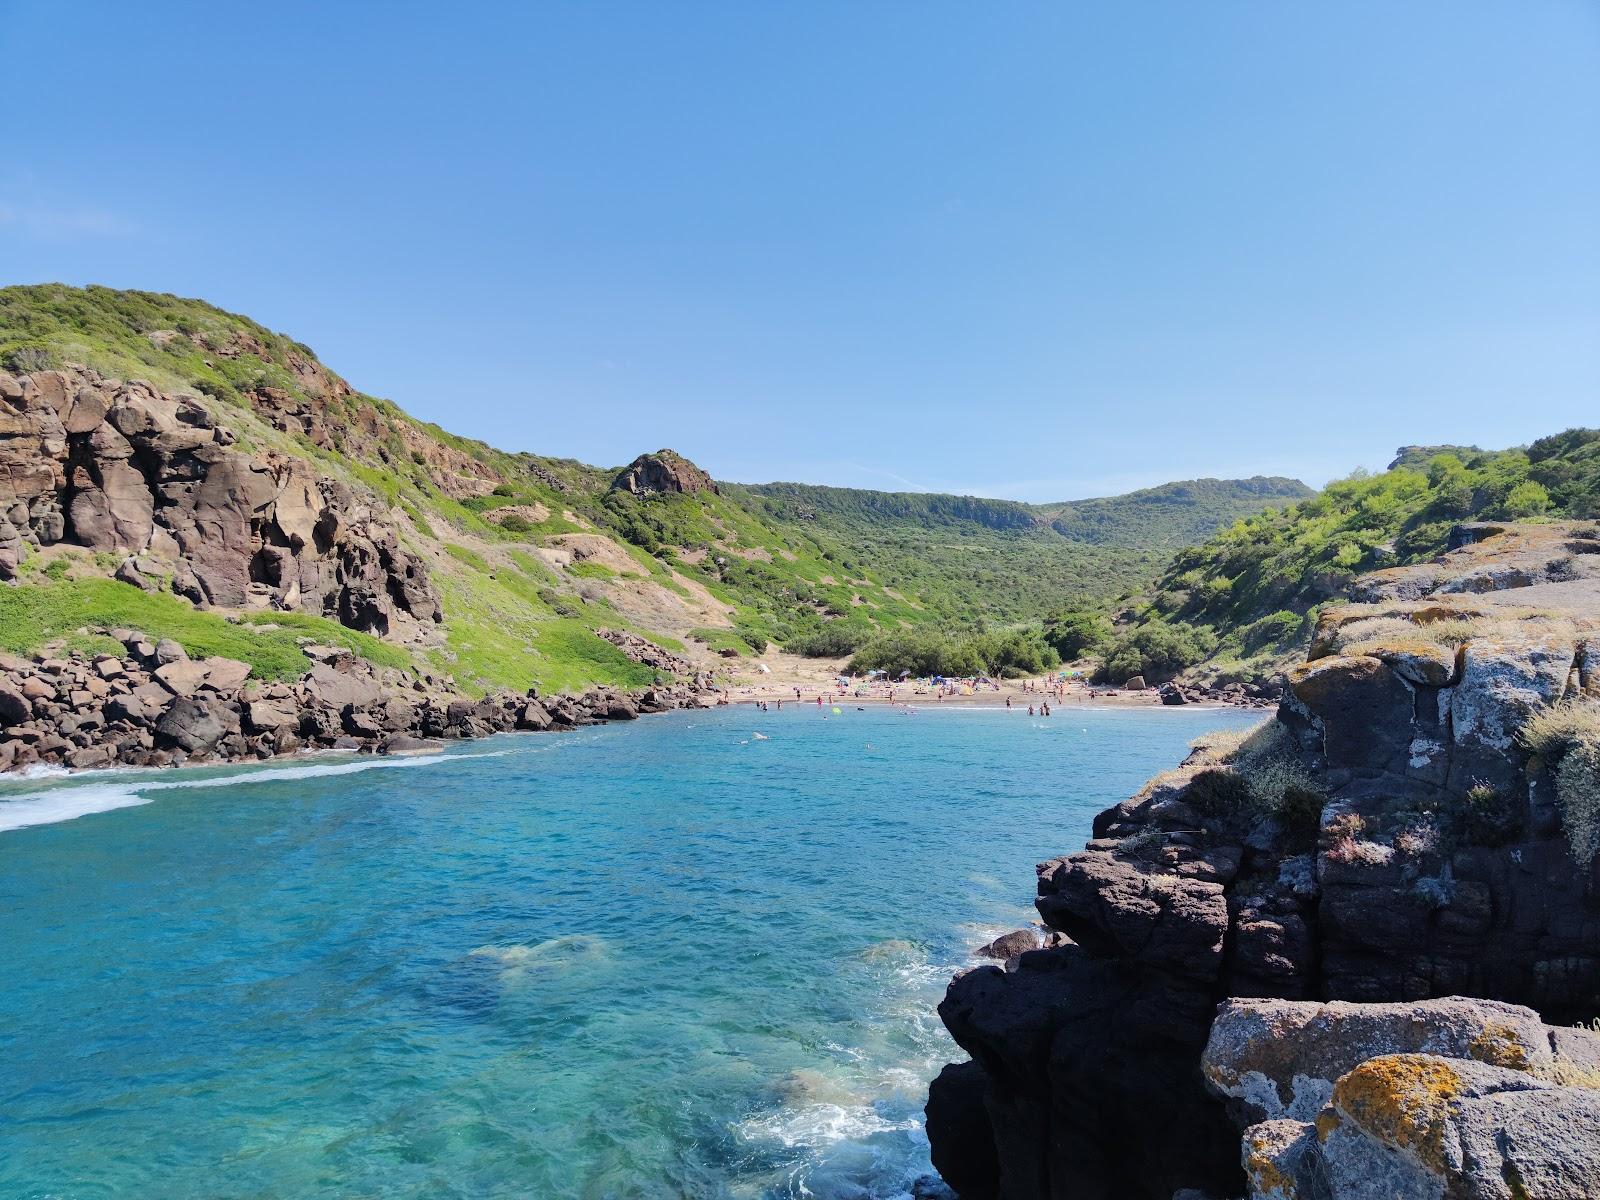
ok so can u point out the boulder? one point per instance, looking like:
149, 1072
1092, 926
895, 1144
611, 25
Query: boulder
1281, 1058
14, 708
328, 685
100, 755
196, 726
264, 716
183, 676
404, 743
1010, 945
1363, 707
1426, 1126
225, 674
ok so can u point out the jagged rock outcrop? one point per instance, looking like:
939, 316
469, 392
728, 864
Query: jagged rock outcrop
1386, 837
123, 468
663, 471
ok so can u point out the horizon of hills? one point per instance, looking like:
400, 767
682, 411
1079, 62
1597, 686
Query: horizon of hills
531, 556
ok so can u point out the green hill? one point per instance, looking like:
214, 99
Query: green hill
1244, 600
978, 560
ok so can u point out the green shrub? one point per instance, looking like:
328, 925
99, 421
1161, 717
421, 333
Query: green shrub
1275, 629
515, 523
1075, 634
834, 640
1485, 817
1219, 794
1157, 650
1566, 738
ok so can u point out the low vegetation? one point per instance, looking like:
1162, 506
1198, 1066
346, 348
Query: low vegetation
1255, 773
75, 612
1246, 599
1566, 739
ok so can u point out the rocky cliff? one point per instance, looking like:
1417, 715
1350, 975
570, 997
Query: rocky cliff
154, 478
172, 499
1420, 819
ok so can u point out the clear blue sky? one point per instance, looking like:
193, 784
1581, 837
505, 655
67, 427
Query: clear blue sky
1038, 251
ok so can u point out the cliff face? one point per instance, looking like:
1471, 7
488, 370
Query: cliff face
1415, 822
156, 479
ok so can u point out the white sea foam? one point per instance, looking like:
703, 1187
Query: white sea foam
818, 1125
63, 804
127, 789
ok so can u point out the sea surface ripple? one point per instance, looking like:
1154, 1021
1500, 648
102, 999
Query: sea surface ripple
661, 959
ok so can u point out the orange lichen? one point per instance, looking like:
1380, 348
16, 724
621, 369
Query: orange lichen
1499, 1046
1327, 1122
1267, 1178
1402, 1100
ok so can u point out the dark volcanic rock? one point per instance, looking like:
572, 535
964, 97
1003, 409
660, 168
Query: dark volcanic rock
1009, 945
1386, 839
958, 1129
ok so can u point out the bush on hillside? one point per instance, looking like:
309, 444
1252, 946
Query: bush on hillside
834, 640
1157, 650
925, 652
1076, 633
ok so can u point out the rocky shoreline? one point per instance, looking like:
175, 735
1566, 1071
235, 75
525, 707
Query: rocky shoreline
1398, 832
154, 706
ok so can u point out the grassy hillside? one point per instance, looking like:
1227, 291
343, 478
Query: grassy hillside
976, 560
532, 554
1245, 599
1173, 515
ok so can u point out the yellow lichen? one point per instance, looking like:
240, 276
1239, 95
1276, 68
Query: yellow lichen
1266, 1177
1403, 1100
1564, 1073
1499, 1046
1327, 1122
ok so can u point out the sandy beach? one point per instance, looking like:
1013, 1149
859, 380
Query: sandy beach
814, 677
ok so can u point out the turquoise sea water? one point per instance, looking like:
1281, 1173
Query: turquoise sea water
659, 959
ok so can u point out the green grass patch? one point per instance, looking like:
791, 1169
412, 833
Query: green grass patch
471, 557
32, 616
721, 639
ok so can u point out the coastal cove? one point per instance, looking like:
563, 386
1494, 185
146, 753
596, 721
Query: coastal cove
659, 958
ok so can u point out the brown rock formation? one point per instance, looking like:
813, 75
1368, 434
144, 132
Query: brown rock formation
663, 471
120, 467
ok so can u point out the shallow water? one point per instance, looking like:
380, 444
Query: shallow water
658, 959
